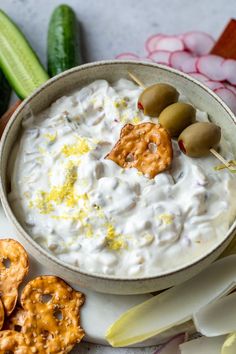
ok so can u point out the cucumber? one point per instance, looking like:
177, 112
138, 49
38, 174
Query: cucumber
63, 41
18, 61
5, 93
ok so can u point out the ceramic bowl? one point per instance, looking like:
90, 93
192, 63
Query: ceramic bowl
200, 96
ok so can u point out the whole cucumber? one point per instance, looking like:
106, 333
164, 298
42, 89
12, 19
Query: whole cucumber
5, 93
63, 41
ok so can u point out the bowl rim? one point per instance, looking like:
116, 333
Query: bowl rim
45, 252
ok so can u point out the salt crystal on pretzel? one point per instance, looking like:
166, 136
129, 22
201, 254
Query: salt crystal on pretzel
12, 274
145, 146
13, 342
52, 322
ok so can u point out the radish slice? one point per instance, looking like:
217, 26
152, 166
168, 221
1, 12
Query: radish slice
190, 65
229, 346
147, 59
229, 69
199, 77
152, 41
199, 43
173, 306
230, 87
214, 85
211, 66
170, 43
228, 96
178, 58
181, 36
160, 56
203, 345
217, 318
172, 346
127, 56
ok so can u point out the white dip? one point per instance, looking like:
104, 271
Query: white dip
91, 213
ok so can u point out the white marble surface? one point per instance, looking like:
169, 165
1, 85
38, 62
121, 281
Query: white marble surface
113, 26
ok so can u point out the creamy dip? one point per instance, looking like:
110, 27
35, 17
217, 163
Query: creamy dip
89, 212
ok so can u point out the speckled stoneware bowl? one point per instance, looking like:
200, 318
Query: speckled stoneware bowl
76, 78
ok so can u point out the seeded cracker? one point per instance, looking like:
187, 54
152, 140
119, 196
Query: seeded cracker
14, 266
13, 342
52, 323
146, 146
16, 320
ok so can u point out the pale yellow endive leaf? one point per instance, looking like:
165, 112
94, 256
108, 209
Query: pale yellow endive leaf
229, 346
174, 306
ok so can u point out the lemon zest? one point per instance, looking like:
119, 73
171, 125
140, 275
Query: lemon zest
42, 150
51, 137
81, 147
136, 120
59, 194
166, 218
114, 240
121, 103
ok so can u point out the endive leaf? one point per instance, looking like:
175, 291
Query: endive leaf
203, 345
217, 318
173, 306
229, 346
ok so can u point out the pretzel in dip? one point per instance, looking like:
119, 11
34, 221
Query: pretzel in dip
14, 265
145, 146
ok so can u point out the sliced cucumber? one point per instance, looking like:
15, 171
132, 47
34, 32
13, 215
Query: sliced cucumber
5, 93
18, 61
63, 41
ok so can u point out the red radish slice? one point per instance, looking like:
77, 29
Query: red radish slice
172, 346
228, 96
151, 42
189, 65
211, 66
146, 59
170, 43
199, 43
162, 63
178, 58
160, 56
199, 77
230, 87
181, 36
127, 56
214, 85
229, 69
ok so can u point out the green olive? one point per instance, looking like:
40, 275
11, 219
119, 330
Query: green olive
157, 97
197, 139
176, 117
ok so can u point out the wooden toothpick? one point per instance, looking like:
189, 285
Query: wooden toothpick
228, 164
135, 79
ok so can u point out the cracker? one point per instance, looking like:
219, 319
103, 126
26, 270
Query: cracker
16, 320
52, 323
13, 342
12, 274
145, 146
